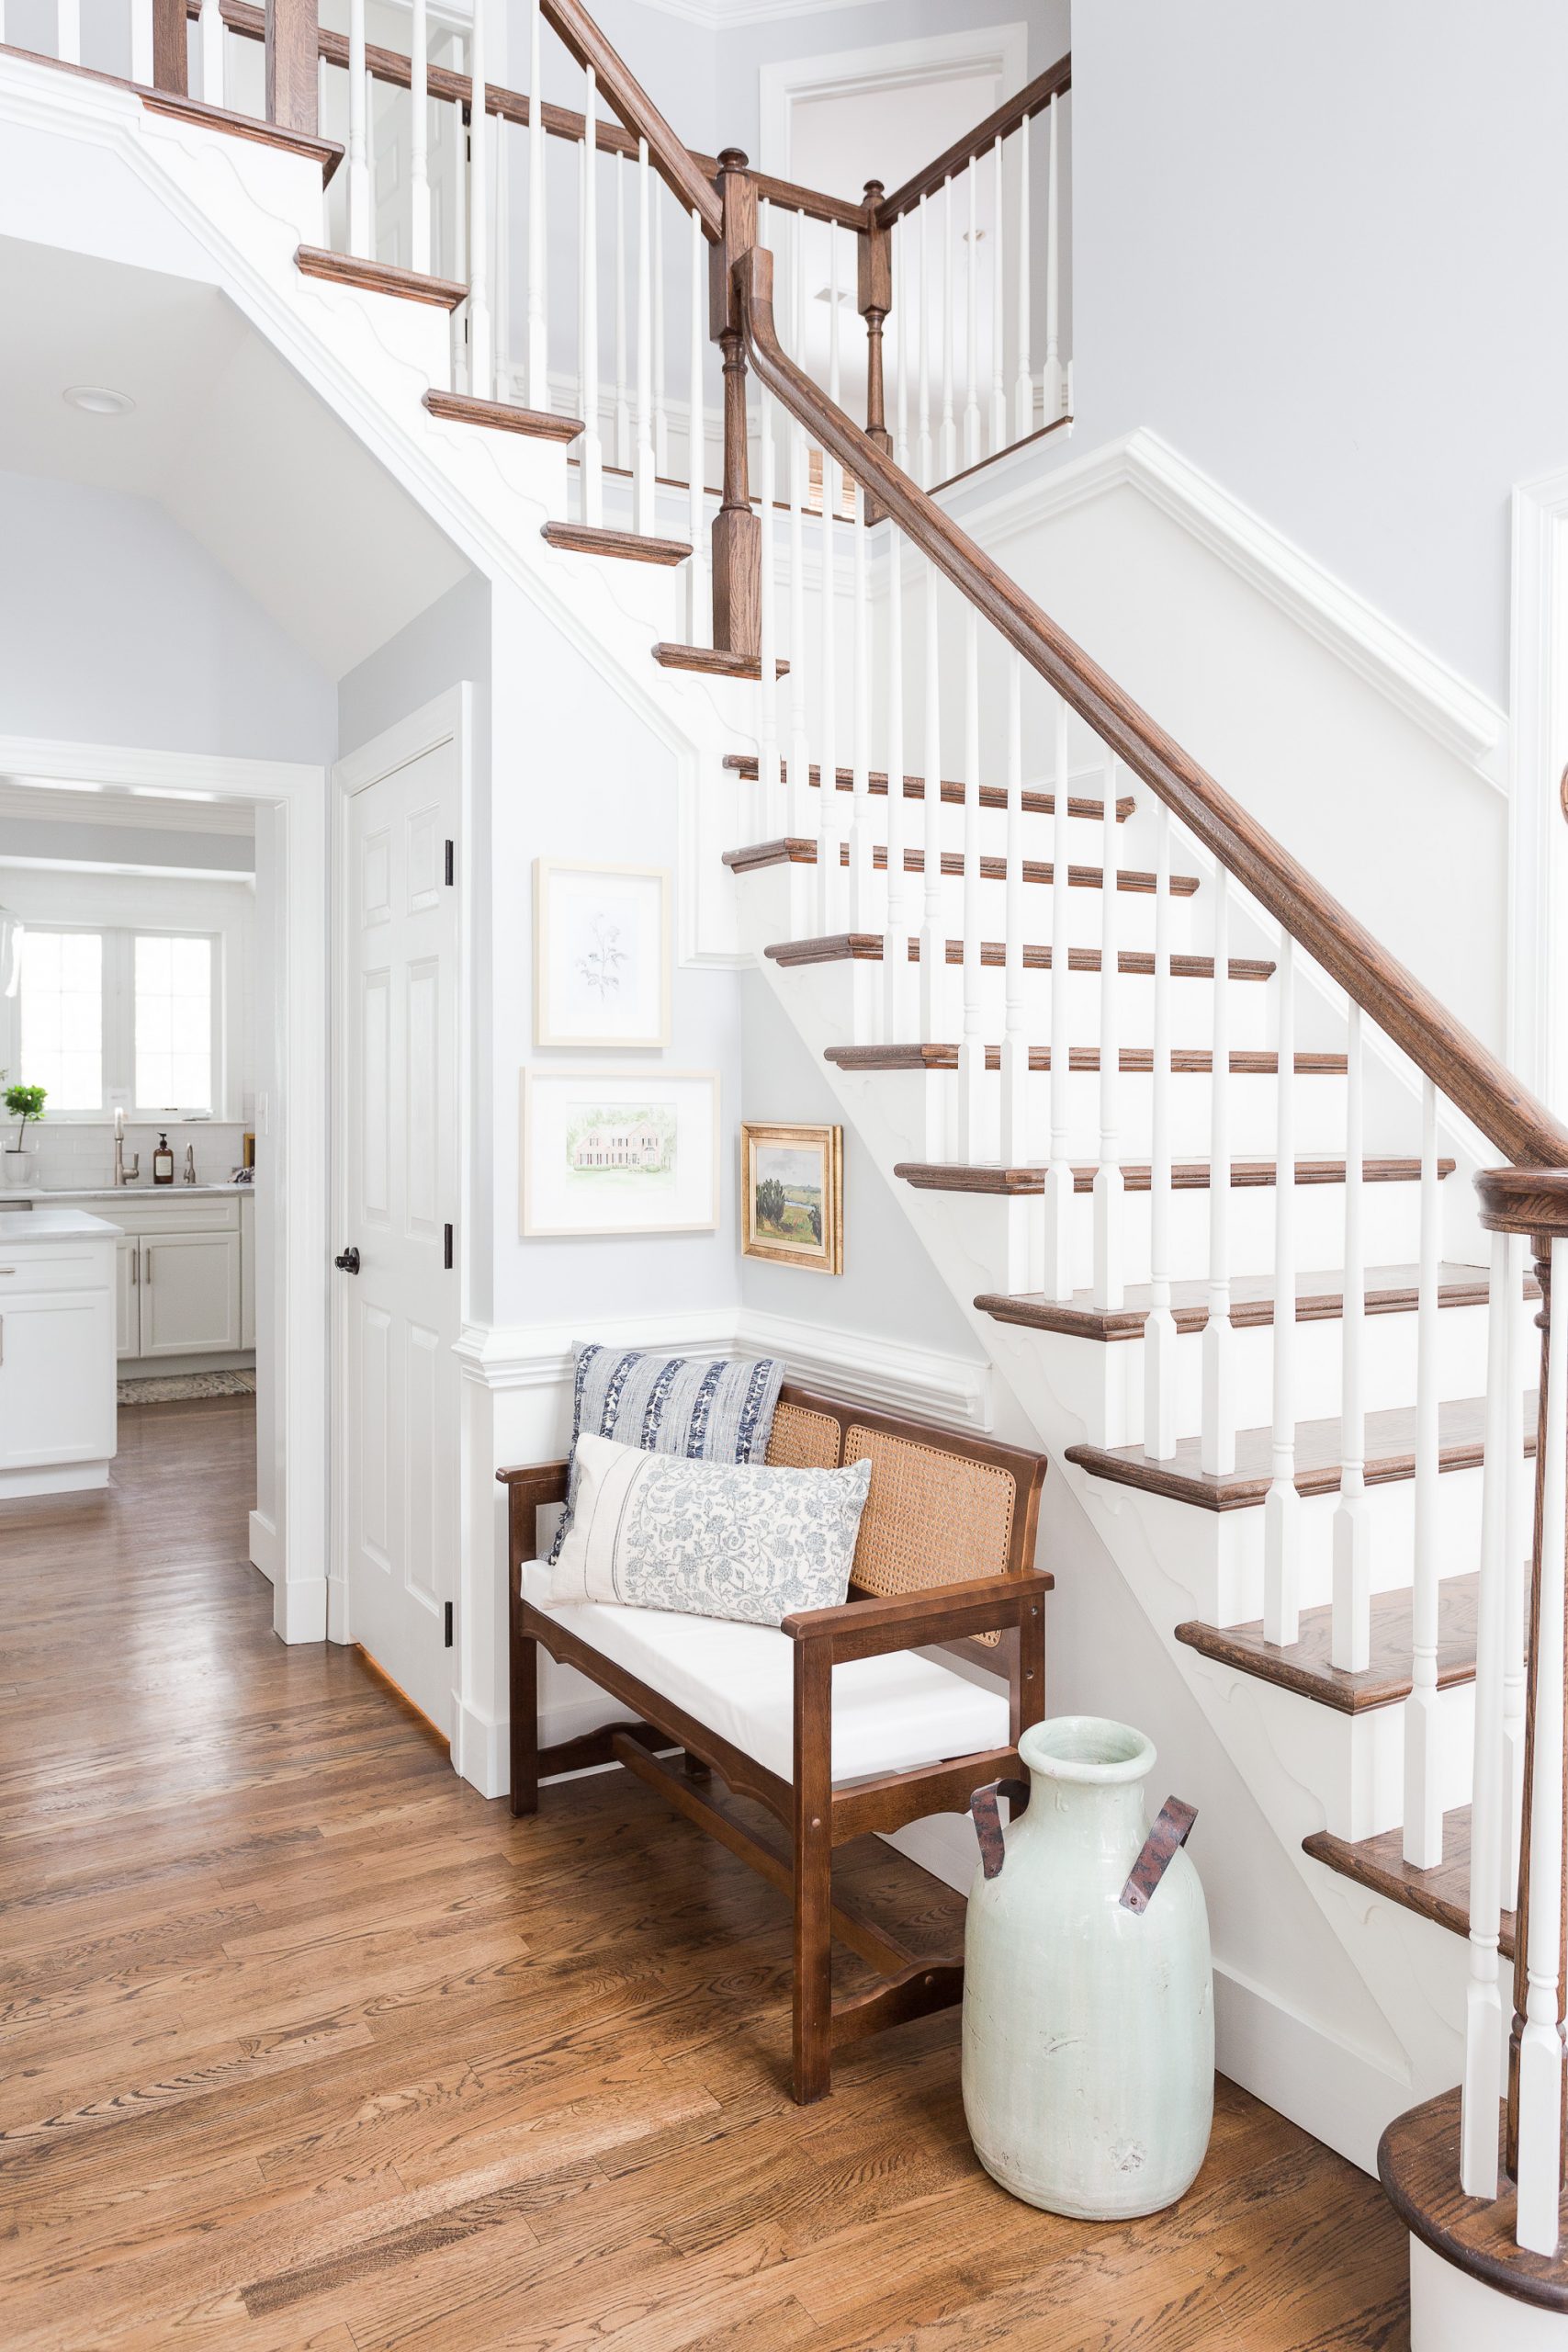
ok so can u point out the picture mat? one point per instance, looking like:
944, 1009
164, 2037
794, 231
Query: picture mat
602, 947
619, 1152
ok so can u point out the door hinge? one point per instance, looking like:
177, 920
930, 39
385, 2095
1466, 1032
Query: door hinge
448, 866
448, 1624
446, 1260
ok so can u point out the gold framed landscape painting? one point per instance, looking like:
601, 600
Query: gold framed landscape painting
792, 1191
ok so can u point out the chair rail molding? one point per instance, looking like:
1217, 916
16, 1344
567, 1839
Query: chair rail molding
1428, 690
1538, 846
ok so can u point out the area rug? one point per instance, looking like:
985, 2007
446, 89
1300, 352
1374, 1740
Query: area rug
181, 1386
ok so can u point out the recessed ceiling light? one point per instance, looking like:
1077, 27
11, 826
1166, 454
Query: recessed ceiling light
97, 400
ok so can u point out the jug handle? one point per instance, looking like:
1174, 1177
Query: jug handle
1172, 1829
989, 1820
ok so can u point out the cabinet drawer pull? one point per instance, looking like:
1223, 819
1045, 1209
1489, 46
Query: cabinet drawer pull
7, 1269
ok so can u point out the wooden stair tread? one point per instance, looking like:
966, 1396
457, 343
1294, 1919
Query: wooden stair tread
710, 663
503, 416
866, 946
992, 795
1391, 1456
1186, 1175
795, 849
379, 278
1391, 1290
325, 151
1418, 2164
594, 538
1131, 1060
1306, 1667
1441, 1895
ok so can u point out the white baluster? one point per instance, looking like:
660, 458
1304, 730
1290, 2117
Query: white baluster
1282, 1505
643, 516
539, 393
924, 451
590, 449
947, 459
700, 614
860, 877
900, 236
211, 41
1054, 384
622, 437
998, 320
68, 31
1422, 1788
1351, 1626
1483, 2022
1541, 2047
895, 929
1059, 1205
972, 325
1516, 1551
1217, 1442
828, 891
933, 930
1159, 1324
481, 364
661, 402
1015, 1035
768, 691
1109, 1268
141, 40
971, 1045
1023, 382
419, 137
360, 235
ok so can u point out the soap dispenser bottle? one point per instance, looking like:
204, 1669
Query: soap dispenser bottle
163, 1162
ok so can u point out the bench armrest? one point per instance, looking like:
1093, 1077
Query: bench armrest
904, 1620
528, 1489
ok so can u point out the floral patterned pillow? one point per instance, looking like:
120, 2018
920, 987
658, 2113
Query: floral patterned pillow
712, 1539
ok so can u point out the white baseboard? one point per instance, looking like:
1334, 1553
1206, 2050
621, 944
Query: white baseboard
263, 1545
62, 1478
300, 1609
479, 1752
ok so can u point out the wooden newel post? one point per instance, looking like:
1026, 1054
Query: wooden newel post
736, 531
171, 69
292, 41
1534, 1201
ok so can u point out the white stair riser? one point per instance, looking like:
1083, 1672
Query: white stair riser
1254, 1110
1191, 1007
1353, 1764
1086, 912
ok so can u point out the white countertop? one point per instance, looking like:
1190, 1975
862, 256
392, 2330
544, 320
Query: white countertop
53, 1225
141, 1191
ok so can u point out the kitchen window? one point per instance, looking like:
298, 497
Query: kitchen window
117, 1017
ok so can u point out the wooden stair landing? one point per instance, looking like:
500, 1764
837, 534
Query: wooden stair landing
866, 947
1131, 1060
992, 795
503, 416
379, 278
793, 849
1441, 1895
325, 151
1320, 1298
1305, 1666
1391, 1456
1186, 1175
632, 547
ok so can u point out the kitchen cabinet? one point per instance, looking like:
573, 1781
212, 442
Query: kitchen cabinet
57, 1351
189, 1285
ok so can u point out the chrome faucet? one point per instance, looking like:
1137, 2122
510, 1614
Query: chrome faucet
124, 1173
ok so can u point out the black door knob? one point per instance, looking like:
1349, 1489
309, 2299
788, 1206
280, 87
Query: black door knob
347, 1262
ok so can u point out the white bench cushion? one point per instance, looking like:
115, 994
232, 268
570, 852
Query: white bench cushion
888, 1713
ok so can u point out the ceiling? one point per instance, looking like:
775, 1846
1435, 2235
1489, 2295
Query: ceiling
224, 437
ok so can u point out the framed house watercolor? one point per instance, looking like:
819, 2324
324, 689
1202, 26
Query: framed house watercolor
791, 1193
602, 954
619, 1152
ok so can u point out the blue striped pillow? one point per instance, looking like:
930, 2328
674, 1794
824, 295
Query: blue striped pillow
709, 1409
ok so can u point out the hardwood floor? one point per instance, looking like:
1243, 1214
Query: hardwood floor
306, 2045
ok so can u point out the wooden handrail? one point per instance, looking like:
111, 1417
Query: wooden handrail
1052, 83
669, 155
1441, 1048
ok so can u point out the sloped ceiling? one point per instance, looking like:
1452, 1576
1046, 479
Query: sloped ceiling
224, 437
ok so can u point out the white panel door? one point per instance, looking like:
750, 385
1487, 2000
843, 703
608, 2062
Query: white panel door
190, 1293
396, 1130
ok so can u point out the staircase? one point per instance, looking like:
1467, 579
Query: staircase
1237, 1211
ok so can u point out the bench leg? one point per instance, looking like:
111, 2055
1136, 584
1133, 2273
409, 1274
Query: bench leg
813, 2043
525, 1723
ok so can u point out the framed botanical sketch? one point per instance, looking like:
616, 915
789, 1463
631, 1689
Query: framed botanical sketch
602, 954
792, 1194
619, 1152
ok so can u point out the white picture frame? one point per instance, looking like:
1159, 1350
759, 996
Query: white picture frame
603, 957
606, 1151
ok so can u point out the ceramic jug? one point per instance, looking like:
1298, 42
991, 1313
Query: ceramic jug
1089, 2019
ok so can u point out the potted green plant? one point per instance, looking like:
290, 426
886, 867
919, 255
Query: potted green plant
20, 1159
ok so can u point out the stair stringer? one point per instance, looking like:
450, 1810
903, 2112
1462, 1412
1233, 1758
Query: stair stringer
85, 167
1336, 2005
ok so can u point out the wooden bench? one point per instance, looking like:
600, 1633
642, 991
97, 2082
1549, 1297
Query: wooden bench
833, 1722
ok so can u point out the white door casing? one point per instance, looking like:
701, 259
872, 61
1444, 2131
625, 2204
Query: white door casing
396, 1119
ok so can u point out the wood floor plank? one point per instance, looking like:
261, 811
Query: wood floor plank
309, 2048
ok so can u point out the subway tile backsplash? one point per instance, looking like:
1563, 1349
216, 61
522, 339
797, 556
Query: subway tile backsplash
75, 1154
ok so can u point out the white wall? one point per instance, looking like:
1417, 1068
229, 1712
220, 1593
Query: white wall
1318, 251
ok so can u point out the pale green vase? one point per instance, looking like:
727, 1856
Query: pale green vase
1088, 2028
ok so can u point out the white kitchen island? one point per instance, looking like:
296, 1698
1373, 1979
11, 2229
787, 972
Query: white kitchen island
57, 1350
